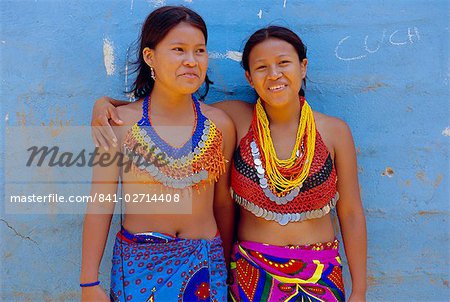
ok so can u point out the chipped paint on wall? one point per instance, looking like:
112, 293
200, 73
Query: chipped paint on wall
438, 180
108, 56
157, 3
375, 212
425, 213
389, 172
420, 175
230, 54
234, 55
446, 131
21, 118
260, 14
374, 87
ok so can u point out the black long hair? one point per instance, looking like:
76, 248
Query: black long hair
155, 28
277, 32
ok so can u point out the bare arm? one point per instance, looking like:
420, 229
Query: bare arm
96, 226
224, 210
350, 210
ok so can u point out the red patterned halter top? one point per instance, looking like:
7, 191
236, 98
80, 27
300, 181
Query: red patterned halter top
316, 197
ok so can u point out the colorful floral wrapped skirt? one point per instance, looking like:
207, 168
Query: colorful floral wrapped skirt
262, 272
159, 267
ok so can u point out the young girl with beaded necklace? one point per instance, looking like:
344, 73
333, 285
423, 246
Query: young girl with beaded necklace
159, 256
292, 166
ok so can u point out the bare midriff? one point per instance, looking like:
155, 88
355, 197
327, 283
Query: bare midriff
252, 228
191, 217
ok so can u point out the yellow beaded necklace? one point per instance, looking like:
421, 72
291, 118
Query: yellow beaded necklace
298, 165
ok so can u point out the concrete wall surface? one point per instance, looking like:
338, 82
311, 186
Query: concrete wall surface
382, 66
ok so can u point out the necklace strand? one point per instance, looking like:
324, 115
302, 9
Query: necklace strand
286, 174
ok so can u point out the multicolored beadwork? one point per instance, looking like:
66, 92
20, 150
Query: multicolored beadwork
251, 187
264, 272
198, 161
159, 267
285, 174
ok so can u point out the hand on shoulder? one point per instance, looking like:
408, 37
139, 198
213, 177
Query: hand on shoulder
103, 112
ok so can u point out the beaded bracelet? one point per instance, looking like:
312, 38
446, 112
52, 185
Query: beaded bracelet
89, 284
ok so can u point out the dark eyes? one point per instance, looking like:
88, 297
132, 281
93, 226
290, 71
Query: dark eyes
281, 63
180, 49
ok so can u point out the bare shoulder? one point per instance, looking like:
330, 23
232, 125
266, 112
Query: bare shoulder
239, 111
218, 116
330, 124
130, 113
334, 131
233, 105
226, 126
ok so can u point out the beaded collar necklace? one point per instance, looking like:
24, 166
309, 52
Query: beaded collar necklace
197, 133
254, 190
199, 160
284, 178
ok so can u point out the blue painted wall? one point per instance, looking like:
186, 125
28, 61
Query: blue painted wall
382, 66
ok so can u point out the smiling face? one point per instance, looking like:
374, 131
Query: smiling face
275, 71
180, 59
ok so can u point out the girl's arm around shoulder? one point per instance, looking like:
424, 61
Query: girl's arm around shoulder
225, 123
223, 204
240, 113
104, 111
349, 207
